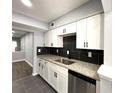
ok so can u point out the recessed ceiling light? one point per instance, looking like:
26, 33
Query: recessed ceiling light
27, 3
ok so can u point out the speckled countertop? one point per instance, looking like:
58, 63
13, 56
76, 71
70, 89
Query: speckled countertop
84, 68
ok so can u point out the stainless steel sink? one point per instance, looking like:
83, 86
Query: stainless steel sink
65, 61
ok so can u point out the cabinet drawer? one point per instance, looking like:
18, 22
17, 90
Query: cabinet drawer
59, 69
62, 70
67, 29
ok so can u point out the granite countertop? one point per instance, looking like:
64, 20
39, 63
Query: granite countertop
84, 68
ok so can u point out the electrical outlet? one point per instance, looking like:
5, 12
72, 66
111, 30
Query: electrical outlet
39, 50
67, 52
57, 51
89, 54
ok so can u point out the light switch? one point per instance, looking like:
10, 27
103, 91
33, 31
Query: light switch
89, 54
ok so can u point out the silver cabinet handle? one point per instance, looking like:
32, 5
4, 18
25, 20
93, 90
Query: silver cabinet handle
39, 64
87, 44
55, 74
42, 66
84, 44
51, 44
64, 30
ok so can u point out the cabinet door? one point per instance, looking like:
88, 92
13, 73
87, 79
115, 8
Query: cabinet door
57, 40
71, 28
41, 68
62, 84
52, 78
52, 39
39, 65
60, 30
81, 34
45, 70
93, 32
67, 29
48, 39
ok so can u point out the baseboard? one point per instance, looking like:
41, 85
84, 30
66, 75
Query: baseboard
23, 60
29, 63
18, 60
34, 74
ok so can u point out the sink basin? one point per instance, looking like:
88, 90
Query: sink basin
65, 61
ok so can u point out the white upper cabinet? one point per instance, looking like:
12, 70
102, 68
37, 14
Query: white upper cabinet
81, 34
93, 32
67, 29
56, 39
47, 36
52, 39
90, 33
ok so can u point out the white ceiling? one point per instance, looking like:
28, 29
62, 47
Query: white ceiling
18, 33
47, 10
24, 27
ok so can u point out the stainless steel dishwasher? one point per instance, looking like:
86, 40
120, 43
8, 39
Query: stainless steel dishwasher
80, 84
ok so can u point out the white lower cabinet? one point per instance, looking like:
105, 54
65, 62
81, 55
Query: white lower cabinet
52, 78
58, 78
62, 84
45, 72
43, 69
55, 75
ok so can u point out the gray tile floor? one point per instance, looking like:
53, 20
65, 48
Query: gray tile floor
24, 82
20, 69
31, 84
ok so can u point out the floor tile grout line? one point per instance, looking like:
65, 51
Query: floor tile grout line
21, 78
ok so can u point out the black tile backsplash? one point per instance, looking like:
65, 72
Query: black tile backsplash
69, 43
44, 50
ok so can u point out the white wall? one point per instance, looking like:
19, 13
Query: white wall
18, 56
106, 86
29, 44
38, 41
88, 9
22, 44
105, 71
108, 39
27, 47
